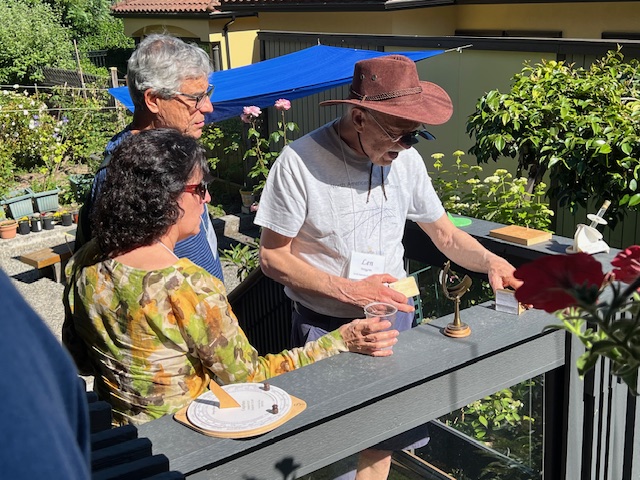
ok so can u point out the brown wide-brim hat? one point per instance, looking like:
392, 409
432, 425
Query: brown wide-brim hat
391, 85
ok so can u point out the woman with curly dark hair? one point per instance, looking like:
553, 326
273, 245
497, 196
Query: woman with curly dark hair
154, 328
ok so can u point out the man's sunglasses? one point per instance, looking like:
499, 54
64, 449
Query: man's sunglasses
410, 138
199, 189
198, 98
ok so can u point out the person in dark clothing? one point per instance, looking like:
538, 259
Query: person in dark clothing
44, 428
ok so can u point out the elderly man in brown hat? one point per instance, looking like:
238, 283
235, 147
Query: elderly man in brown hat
335, 205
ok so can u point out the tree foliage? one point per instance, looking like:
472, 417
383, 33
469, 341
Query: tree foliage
90, 23
40, 33
31, 37
580, 125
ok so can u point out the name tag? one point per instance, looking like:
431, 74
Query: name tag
363, 265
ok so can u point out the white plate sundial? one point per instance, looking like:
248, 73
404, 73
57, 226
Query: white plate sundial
256, 408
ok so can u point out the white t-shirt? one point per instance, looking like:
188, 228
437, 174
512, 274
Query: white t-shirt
316, 193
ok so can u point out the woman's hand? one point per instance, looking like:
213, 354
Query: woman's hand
369, 336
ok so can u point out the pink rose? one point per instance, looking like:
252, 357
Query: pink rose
246, 118
252, 111
282, 104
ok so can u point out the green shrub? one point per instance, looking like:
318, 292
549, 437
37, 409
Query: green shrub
244, 257
498, 198
581, 125
47, 133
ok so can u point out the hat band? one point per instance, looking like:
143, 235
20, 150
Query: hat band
388, 95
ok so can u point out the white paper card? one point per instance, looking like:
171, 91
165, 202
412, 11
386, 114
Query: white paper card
506, 302
363, 265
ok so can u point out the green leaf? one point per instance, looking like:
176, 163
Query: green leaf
553, 160
483, 421
635, 200
606, 148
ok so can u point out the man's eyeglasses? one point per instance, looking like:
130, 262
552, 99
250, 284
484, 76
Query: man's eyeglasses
410, 138
200, 99
199, 189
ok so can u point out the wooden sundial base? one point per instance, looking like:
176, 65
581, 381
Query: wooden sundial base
457, 331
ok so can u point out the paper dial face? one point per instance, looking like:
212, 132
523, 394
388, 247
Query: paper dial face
256, 409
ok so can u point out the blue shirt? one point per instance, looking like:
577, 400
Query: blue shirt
44, 428
201, 249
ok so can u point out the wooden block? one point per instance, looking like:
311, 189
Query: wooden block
506, 302
407, 286
520, 235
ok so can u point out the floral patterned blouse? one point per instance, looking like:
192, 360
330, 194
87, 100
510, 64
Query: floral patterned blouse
154, 338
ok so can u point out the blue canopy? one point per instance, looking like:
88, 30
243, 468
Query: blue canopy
291, 76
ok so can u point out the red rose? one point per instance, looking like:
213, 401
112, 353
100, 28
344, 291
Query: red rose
627, 264
555, 282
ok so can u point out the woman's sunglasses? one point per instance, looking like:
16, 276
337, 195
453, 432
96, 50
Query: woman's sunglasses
199, 189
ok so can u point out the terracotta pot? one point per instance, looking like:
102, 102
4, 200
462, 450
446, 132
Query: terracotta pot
8, 229
247, 198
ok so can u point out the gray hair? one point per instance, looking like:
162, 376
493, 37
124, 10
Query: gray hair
161, 63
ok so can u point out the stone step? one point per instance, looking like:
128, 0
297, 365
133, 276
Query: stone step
236, 228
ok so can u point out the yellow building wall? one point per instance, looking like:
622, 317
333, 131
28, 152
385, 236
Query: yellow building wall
575, 20
242, 35
243, 47
435, 21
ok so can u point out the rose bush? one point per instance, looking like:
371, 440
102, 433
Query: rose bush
261, 149
608, 305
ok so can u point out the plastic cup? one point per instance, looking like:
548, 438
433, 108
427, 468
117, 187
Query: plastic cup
384, 311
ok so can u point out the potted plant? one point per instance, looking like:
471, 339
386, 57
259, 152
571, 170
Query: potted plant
36, 223
8, 229
47, 221
19, 202
63, 217
66, 218
47, 200
23, 226
80, 184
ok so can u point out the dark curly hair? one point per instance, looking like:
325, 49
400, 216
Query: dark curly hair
139, 199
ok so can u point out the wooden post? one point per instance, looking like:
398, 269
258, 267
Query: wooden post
114, 83
75, 47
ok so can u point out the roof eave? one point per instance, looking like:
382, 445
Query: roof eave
326, 6
183, 15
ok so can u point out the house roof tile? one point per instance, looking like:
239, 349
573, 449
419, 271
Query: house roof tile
166, 6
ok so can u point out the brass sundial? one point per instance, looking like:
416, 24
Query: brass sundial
455, 292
